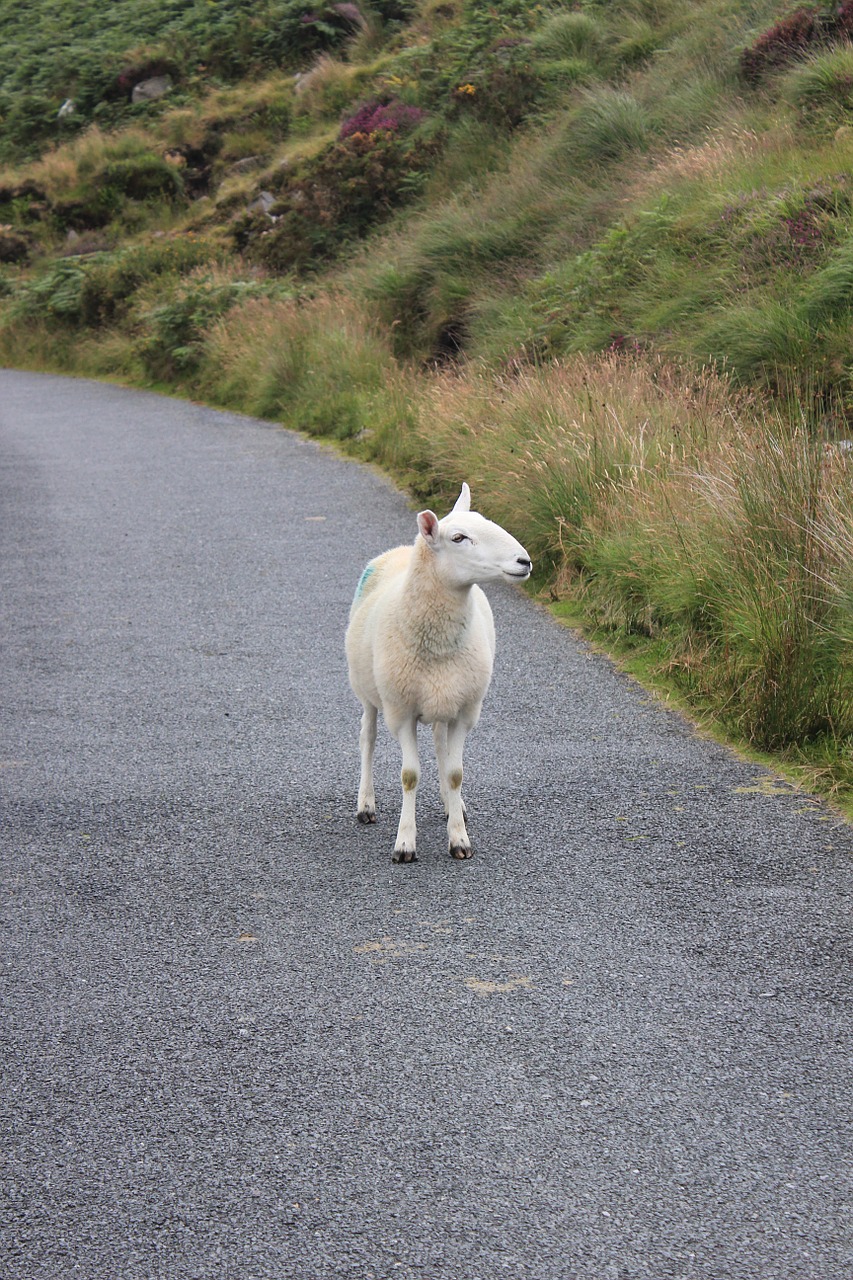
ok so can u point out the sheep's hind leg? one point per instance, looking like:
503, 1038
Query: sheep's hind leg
457, 835
439, 737
405, 848
366, 809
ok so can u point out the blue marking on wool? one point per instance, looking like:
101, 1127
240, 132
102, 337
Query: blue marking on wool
362, 582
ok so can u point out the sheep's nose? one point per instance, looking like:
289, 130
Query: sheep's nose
525, 562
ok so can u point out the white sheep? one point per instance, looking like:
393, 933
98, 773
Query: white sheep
420, 646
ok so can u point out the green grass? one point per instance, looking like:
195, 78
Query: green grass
610, 124
823, 766
572, 35
821, 89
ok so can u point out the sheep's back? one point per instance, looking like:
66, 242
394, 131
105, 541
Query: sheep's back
378, 571
382, 577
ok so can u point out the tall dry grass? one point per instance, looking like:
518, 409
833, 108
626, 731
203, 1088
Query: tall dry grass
322, 366
549, 445
681, 513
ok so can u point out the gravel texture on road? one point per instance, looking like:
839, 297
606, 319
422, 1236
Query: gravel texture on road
238, 1042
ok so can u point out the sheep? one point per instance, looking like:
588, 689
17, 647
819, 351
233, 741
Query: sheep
420, 646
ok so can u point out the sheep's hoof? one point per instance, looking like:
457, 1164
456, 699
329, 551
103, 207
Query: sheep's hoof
366, 816
404, 855
460, 852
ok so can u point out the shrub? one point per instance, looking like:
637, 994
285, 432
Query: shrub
29, 119
55, 295
14, 247
101, 194
502, 87
142, 177
300, 29
86, 211
353, 185
786, 40
96, 290
175, 331
394, 10
794, 36
375, 116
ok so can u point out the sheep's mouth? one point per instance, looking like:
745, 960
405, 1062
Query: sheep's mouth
525, 573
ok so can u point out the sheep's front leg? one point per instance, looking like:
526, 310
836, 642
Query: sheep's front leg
366, 809
457, 835
405, 847
439, 736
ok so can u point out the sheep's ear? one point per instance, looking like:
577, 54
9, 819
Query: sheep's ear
428, 527
463, 502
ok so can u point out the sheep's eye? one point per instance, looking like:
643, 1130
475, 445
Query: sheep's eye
459, 537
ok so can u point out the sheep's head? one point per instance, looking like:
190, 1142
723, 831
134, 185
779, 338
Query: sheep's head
469, 548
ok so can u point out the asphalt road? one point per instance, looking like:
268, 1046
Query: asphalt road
237, 1042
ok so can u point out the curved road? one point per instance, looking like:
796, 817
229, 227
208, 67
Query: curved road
239, 1043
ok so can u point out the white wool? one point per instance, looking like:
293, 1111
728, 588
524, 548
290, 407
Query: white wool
420, 646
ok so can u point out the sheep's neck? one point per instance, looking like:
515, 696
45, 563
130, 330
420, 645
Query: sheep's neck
436, 615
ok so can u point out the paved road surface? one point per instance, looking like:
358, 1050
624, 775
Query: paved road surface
239, 1043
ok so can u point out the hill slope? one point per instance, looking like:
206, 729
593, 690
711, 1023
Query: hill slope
596, 257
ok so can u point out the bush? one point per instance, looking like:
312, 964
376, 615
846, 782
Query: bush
502, 87
14, 247
378, 116
29, 119
54, 296
794, 36
100, 195
353, 185
175, 331
97, 290
86, 211
299, 29
788, 39
142, 177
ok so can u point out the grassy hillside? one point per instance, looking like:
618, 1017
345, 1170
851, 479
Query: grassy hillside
595, 257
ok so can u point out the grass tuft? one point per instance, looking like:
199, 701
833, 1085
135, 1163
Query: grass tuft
610, 124
571, 35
